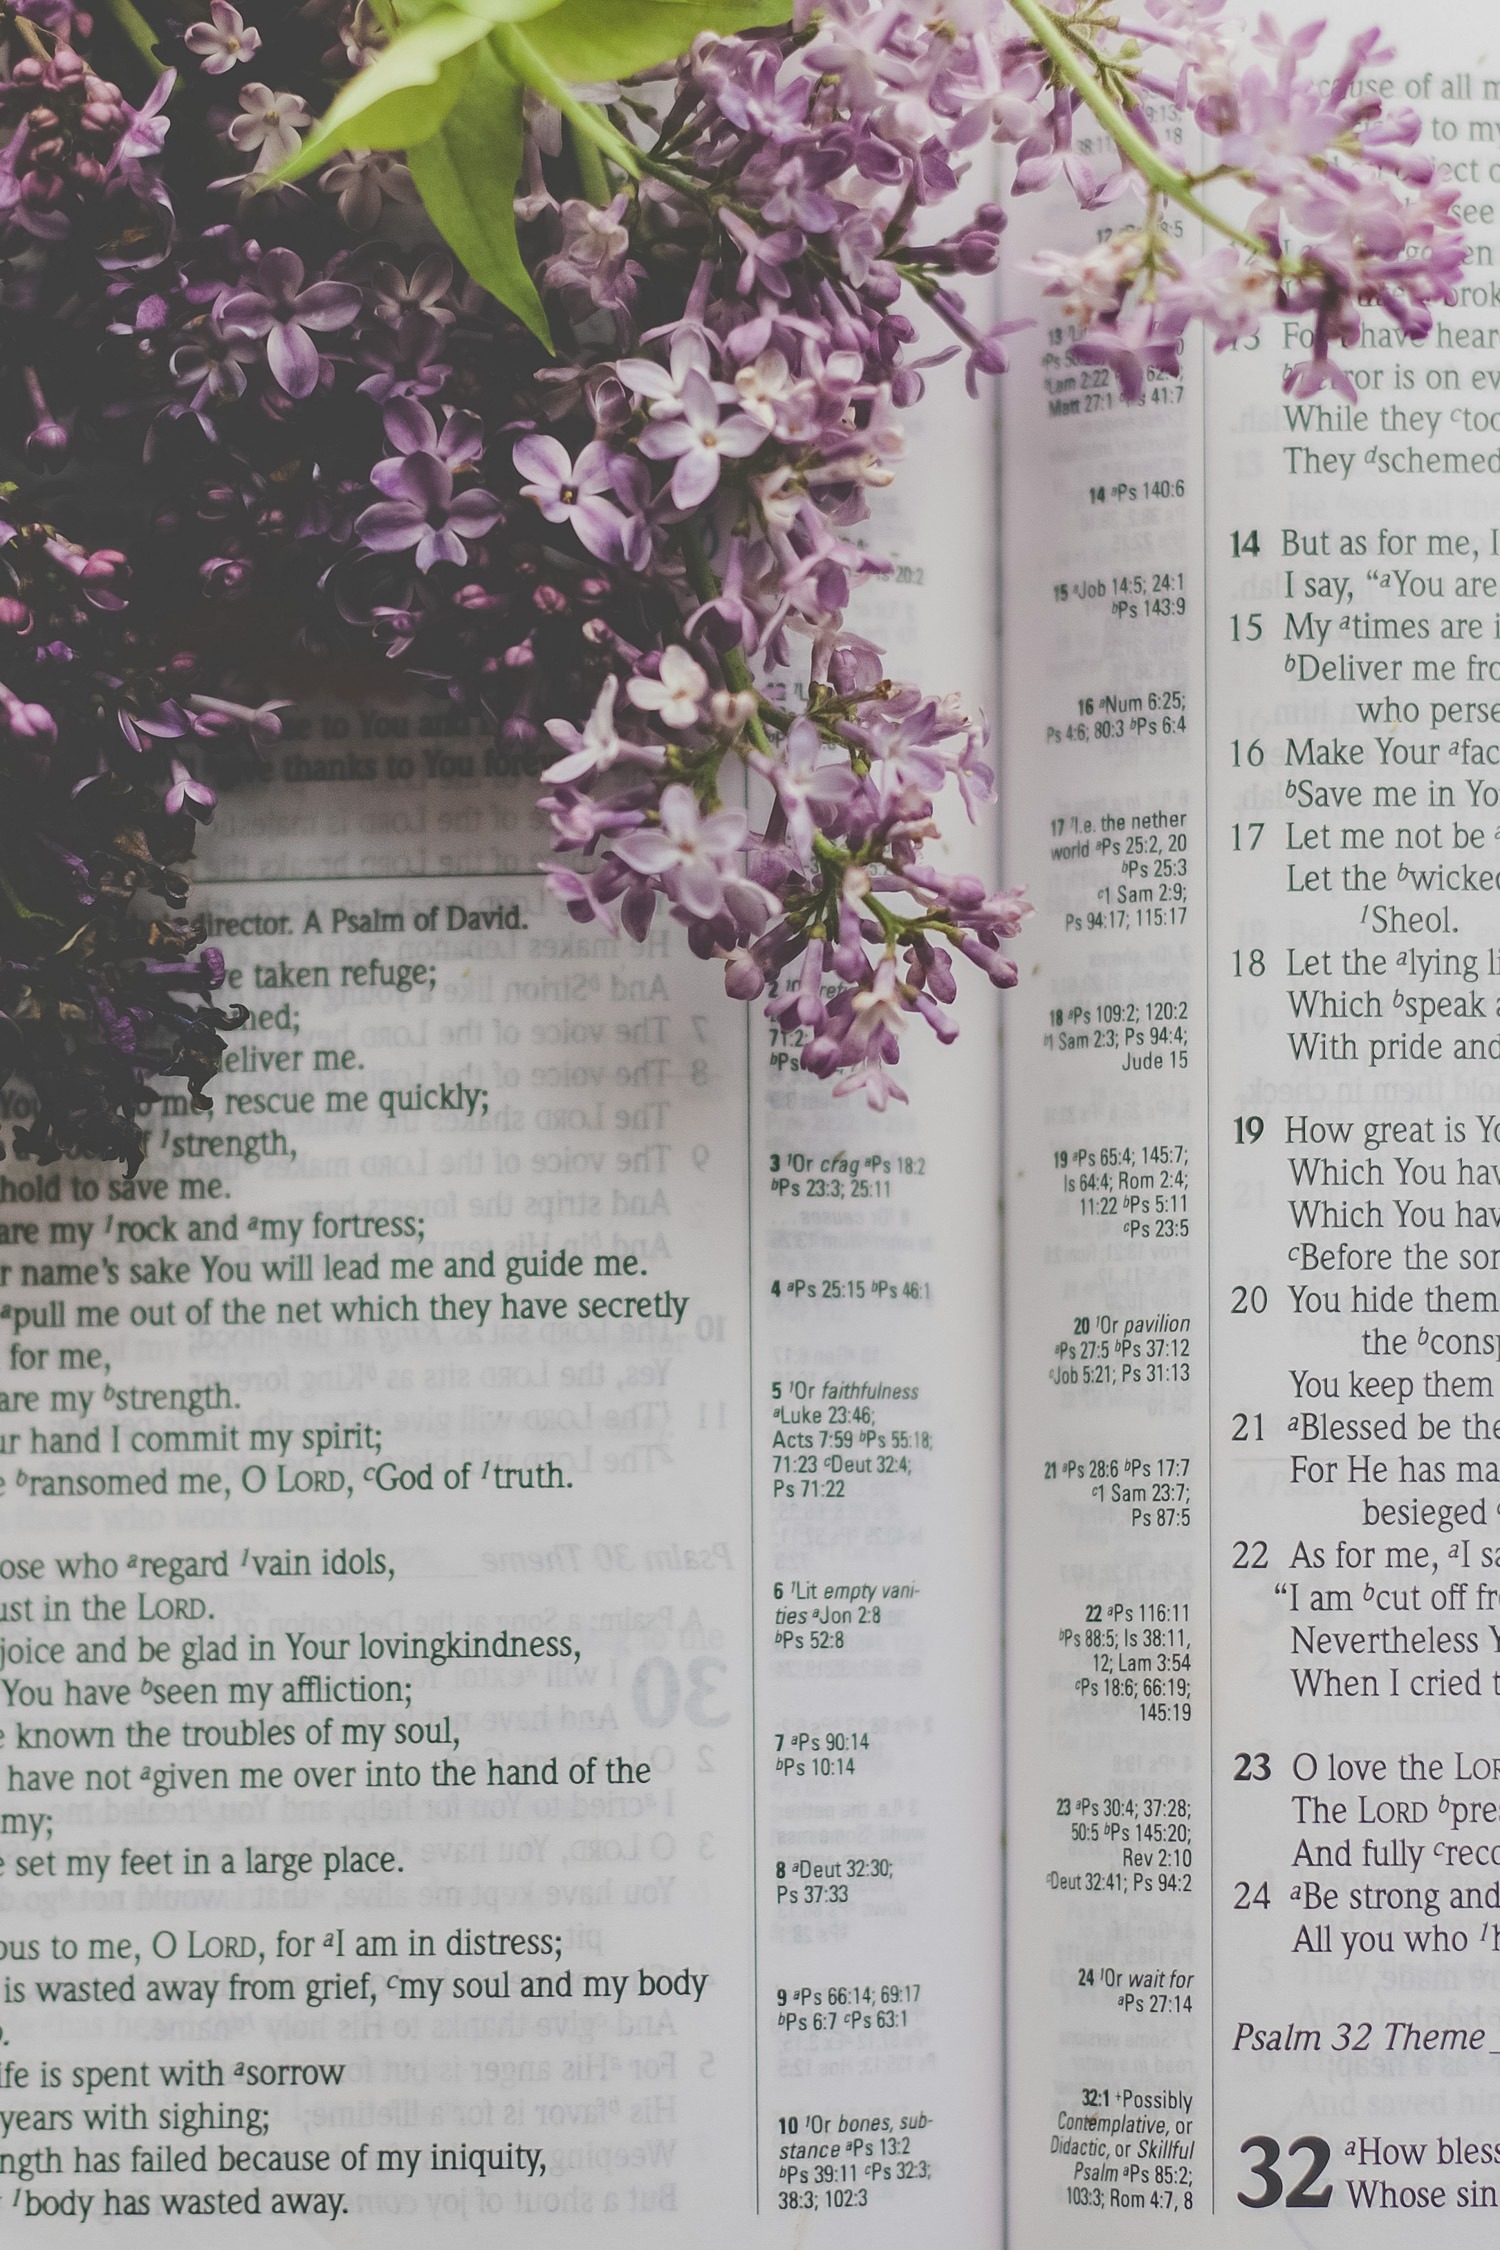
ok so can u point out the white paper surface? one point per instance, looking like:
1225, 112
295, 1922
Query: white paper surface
1250, 1347
499, 1683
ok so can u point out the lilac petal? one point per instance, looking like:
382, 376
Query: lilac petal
329, 304
695, 476
698, 401
600, 529
664, 441
410, 427
638, 547
475, 513
433, 276
426, 482
246, 314
751, 906
740, 435
679, 812
569, 768
700, 889
647, 851
440, 546
386, 478
636, 909
280, 274
630, 481
544, 460
462, 440
645, 378
389, 526
294, 359
592, 472
724, 831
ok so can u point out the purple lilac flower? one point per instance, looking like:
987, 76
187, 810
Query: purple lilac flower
595, 747
699, 442
224, 41
700, 491
279, 309
422, 511
572, 493
272, 124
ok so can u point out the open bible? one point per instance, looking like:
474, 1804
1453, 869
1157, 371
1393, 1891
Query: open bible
601, 1649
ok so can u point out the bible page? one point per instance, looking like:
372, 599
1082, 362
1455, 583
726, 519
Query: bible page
499, 1663
1253, 741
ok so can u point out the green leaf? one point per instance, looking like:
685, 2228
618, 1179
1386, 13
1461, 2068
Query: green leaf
585, 40
466, 174
400, 98
505, 11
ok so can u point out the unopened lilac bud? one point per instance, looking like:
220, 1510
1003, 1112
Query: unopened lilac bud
15, 617
1001, 973
977, 252
731, 712
26, 722
854, 670
989, 356
744, 978
66, 66
40, 190
848, 956
551, 601
478, 600
610, 402
520, 655
225, 577
941, 982
27, 72
47, 446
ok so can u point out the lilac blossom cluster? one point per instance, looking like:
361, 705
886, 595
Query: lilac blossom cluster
1346, 211
260, 436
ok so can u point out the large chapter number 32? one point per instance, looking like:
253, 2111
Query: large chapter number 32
1303, 2196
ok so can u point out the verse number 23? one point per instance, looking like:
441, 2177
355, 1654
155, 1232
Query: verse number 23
1302, 2196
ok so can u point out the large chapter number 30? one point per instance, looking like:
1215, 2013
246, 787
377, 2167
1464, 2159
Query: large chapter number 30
1302, 2196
